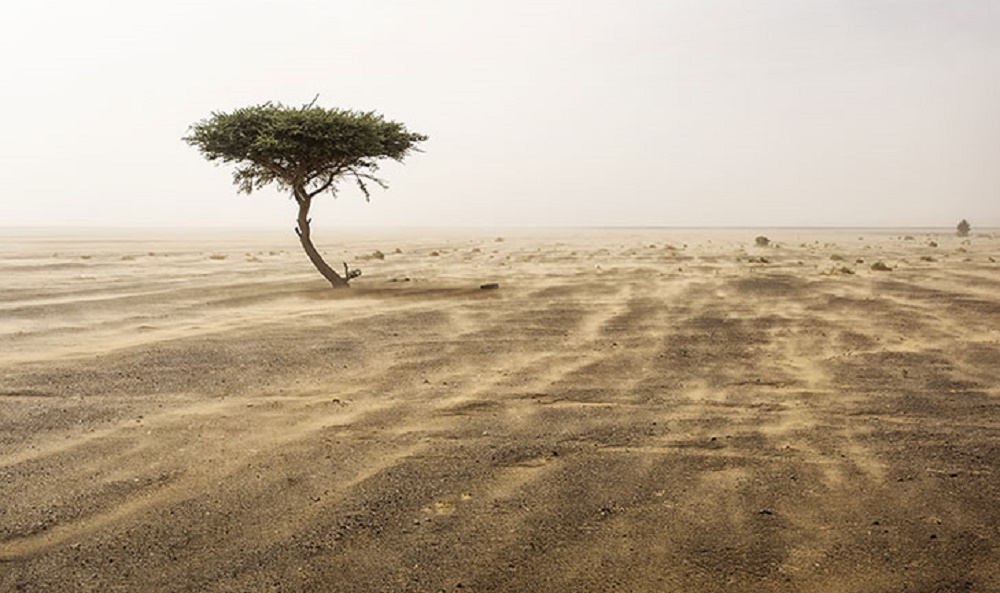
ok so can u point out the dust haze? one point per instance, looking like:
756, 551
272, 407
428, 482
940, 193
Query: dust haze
542, 114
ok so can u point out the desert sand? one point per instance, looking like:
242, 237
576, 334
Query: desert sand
632, 410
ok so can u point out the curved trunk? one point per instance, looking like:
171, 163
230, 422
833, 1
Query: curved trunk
335, 279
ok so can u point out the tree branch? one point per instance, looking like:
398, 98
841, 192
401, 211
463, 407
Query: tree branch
329, 182
360, 177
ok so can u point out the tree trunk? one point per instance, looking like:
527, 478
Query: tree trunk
335, 279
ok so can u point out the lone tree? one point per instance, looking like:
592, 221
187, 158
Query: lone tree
305, 150
963, 228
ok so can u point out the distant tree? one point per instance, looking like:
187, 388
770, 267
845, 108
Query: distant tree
306, 151
963, 228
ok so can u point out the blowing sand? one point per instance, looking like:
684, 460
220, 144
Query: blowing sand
632, 410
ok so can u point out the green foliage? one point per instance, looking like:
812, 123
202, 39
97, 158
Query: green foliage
305, 150
963, 228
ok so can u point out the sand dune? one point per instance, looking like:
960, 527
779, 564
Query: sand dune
632, 410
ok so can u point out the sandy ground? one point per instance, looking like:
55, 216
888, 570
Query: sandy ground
632, 410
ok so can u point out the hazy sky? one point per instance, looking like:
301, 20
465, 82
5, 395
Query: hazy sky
543, 113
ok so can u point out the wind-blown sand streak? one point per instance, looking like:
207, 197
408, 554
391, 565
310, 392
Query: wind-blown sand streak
633, 410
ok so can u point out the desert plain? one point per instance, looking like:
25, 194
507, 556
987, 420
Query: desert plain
636, 410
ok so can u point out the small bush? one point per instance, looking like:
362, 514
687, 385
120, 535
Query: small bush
963, 228
836, 257
880, 267
927, 258
762, 241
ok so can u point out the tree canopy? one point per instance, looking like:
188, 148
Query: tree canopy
305, 150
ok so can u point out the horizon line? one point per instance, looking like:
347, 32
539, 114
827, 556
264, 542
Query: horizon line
482, 227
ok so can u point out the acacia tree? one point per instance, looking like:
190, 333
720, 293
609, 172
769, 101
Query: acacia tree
963, 228
306, 151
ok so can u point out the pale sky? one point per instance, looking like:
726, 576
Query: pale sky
540, 113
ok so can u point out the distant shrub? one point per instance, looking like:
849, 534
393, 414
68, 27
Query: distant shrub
932, 244
963, 228
880, 267
909, 238
217, 256
836, 257
762, 241
927, 258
